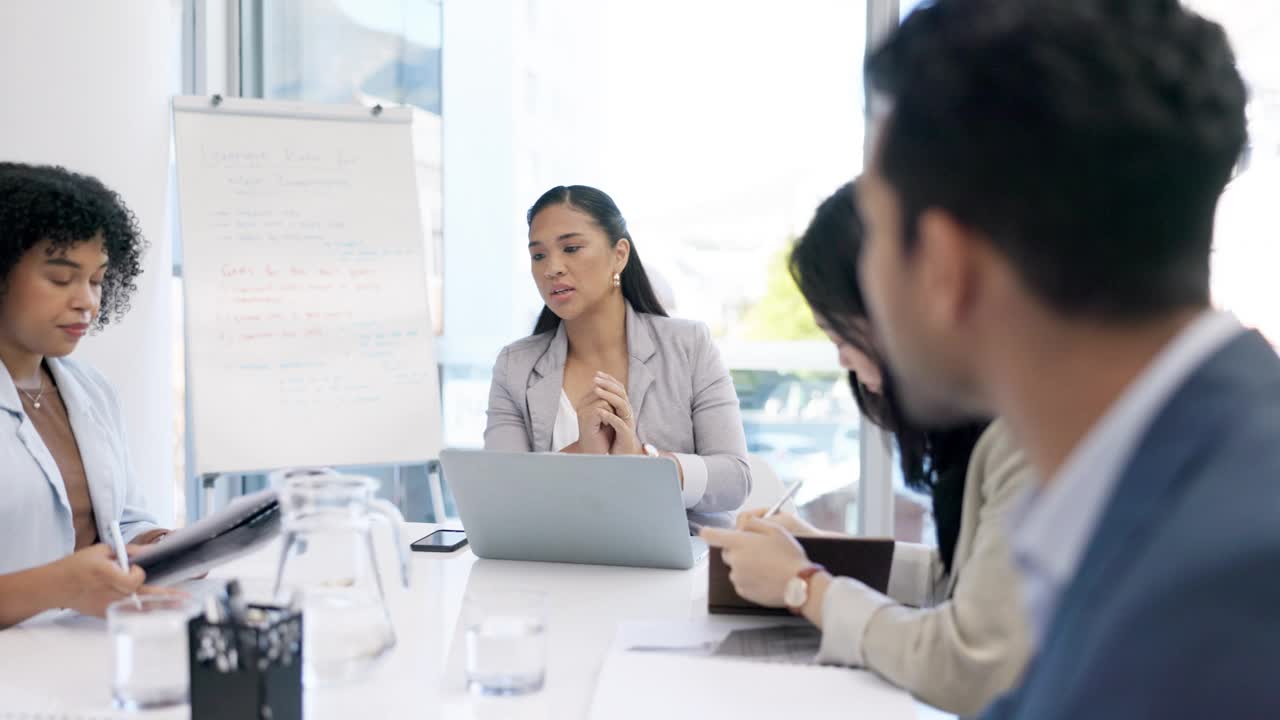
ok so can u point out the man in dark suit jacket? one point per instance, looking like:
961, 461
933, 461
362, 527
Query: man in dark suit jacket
1039, 211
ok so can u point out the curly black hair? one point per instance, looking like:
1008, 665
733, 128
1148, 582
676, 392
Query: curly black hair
46, 202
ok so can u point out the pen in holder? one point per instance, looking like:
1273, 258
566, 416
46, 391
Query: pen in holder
246, 663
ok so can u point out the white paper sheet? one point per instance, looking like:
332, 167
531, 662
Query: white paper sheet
676, 685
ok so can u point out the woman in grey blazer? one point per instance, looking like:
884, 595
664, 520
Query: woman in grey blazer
69, 255
952, 628
606, 371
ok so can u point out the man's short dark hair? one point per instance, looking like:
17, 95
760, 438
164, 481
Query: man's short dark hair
1089, 139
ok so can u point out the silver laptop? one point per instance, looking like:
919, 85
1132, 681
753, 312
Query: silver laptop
557, 507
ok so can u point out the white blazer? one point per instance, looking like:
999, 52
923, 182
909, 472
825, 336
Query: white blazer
35, 516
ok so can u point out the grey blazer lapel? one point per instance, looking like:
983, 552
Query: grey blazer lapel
641, 348
543, 391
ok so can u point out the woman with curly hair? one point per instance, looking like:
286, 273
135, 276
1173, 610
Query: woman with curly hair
69, 254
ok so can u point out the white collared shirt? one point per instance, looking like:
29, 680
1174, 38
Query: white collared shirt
1052, 526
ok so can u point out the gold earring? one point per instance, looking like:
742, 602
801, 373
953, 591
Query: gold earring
617, 280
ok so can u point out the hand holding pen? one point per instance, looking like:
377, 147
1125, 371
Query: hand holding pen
787, 521
90, 579
122, 556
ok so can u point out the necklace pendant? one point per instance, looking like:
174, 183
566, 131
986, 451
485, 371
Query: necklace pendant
36, 405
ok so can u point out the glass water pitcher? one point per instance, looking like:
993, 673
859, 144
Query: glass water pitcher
329, 570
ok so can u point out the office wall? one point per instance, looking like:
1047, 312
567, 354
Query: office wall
86, 84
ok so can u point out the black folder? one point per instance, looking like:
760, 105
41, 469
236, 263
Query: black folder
245, 524
865, 559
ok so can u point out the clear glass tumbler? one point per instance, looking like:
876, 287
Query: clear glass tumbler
506, 640
149, 649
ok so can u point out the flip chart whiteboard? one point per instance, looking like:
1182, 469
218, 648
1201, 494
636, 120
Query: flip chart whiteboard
308, 332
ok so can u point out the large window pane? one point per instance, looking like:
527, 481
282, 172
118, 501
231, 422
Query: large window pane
805, 425
345, 51
720, 139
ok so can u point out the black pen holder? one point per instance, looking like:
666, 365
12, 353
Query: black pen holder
247, 671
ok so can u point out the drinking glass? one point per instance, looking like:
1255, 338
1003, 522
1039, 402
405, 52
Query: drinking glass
149, 650
506, 641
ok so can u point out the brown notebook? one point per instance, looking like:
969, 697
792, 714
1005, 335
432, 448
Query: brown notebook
865, 559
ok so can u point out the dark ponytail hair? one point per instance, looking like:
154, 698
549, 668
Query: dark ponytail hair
636, 288
824, 264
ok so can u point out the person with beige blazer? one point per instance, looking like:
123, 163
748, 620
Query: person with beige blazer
952, 628
955, 639
607, 372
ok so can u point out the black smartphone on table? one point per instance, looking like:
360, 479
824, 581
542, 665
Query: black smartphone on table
440, 541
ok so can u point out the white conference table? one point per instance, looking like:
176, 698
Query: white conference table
63, 667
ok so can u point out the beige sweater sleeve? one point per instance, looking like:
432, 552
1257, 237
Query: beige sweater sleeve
962, 653
917, 577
